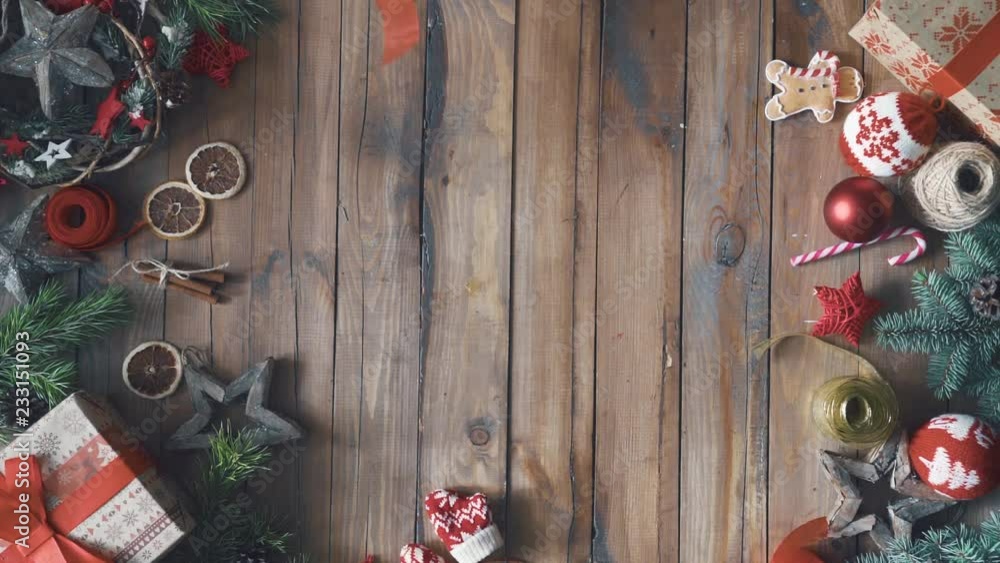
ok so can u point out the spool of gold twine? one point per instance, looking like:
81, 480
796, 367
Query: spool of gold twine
858, 410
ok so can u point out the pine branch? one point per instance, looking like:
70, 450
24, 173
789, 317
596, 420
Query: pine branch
139, 96
52, 325
176, 36
240, 17
953, 544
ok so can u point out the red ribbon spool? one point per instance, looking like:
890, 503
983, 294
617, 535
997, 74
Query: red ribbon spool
98, 218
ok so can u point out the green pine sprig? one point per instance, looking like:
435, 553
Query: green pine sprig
953, 544
176, 36
52, 325
240, 17
233, 459
964, 346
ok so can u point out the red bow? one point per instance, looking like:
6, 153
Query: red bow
46, 541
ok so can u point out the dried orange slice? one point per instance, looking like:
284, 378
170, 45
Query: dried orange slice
173, 211
153, 370
216, 170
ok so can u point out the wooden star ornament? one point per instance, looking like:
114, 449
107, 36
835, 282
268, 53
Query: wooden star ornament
846, 310
269, 428
914, 499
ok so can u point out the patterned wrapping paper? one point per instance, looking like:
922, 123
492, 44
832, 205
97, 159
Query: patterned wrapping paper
945, 46
81, 436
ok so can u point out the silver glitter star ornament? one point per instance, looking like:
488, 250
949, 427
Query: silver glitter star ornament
268, 427
54, 52
27, 254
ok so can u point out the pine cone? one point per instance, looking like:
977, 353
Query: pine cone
985, 297
175, 87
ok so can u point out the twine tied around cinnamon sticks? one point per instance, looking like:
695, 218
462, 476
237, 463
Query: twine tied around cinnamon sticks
199, 283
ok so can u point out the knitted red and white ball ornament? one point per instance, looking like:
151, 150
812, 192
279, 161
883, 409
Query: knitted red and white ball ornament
888, 134
416, 553
954, 454
464, 524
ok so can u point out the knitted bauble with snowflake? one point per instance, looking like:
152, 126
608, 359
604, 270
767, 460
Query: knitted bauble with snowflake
416, 553
888, 134
955, 455
464, 524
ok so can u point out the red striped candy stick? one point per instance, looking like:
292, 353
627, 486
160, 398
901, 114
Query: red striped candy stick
889, 234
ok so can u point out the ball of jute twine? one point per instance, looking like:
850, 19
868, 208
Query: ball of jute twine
956, 188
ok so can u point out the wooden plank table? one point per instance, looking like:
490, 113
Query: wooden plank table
529, 258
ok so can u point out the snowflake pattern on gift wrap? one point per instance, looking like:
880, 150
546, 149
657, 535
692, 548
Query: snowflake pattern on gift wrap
47, 444
906, 73
877, 45
963, 27
925, 65
130, 518
74, 423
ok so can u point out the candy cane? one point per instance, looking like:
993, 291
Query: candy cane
843, 247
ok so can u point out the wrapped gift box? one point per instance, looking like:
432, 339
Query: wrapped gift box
949, 47
103, 484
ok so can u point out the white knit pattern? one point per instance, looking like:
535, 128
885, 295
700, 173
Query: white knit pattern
864, 127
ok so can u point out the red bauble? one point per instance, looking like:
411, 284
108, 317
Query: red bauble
149, 45
858, 209
954, 454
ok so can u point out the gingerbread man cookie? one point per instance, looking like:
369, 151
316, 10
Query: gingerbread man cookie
817, 87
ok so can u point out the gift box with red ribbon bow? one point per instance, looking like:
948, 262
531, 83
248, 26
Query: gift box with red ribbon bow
78, 488
947, 47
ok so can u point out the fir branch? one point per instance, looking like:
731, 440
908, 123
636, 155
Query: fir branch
240, 17
233, 459
122, 132
37, 126
176, 36
139, 96
110, 40
953, 544
51, 326
940, 295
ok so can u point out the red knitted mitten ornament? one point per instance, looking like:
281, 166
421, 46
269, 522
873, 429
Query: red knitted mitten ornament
846, 310
464, 524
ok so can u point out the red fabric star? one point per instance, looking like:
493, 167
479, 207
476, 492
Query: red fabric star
138, 120
109, 109
846, 311
14, 145
215, 57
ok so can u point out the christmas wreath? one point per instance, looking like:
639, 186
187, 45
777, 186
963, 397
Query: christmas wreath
91, 80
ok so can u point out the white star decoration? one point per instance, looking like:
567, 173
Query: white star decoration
56, 151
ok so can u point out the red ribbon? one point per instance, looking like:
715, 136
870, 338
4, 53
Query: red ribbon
970, 61
46, 541
400, 27
98, 218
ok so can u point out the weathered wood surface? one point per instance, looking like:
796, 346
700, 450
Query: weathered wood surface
530, 258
